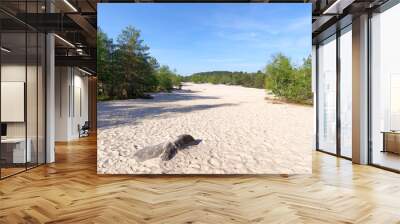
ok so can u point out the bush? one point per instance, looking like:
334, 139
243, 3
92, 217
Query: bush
288, 82
167, 79
255, 80
164, 82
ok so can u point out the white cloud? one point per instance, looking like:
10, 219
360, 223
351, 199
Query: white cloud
299, 24
239, 35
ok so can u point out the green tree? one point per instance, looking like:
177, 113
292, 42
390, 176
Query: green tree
288, 82
133, 61
126, 70
104, 76
255, 80
259, 80
164, 77
280, 75
302, 91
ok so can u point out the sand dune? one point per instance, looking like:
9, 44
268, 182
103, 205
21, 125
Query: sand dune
240, 132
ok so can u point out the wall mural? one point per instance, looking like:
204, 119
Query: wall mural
204, 89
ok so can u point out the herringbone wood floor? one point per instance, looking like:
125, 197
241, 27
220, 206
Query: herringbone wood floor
70, 191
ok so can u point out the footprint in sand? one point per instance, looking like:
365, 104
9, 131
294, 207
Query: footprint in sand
214, 162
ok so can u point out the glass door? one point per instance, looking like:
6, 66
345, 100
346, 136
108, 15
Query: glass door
385, 89
327, 95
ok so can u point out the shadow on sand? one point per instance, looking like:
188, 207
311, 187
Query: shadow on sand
120, 112
179, 95
113, 116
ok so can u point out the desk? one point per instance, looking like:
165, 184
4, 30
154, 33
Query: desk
16, 153
391, 141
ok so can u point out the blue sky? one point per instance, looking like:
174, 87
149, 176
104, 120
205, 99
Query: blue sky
207, 37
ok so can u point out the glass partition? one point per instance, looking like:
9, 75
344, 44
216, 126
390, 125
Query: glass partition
22, 78
327, 95
346, 92
385, 89
13, 95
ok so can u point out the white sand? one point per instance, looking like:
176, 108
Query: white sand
241, 132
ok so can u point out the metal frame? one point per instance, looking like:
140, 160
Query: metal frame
369, 81
316, 97
338, 34
387, 5
338, 75
44, 74
26, 88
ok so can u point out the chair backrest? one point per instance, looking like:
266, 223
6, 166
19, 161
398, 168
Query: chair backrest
86, 125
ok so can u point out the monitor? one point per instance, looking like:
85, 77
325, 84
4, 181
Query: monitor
3, 129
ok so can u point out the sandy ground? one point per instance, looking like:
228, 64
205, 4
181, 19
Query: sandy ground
240, 132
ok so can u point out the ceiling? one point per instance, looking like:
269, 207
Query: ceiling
330, 13
75, 21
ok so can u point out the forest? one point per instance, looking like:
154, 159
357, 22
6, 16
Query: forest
126, 70
254, 80
285, 80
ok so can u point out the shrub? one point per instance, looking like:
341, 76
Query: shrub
288, 82
167, 79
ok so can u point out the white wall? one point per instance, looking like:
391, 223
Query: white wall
33, 126
62, 82
81, 82
13, 101
80, 89
12, 73
70, 84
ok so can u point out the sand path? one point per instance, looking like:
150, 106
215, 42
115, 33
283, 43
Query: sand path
241, 132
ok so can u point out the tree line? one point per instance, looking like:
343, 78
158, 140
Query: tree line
281, 77
254, 80
127, 70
